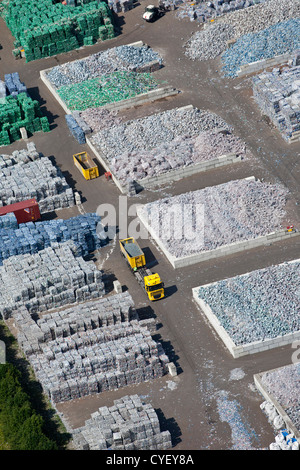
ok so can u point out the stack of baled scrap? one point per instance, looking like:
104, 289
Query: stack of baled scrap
35, 236
74, 356
130, 424
49, 279
120, 5
37, 178
19, 110
277, 94
96, 313
47, 28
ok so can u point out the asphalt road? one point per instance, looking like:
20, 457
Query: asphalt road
190, 405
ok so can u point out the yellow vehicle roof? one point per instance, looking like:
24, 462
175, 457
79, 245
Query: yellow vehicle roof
152, 279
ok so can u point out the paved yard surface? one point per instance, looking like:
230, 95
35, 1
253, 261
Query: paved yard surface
212, 403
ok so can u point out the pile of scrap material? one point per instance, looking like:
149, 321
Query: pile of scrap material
210, 42
151, 131
232, 212
204, 12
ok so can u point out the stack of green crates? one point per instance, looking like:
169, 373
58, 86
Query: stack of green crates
47, 28
20, 111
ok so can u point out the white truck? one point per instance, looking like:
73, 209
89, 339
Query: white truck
151, 13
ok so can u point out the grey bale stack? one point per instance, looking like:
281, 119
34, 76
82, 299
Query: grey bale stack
278, 96
97, 313
26, 155
130, 424
26, 174
48, 279
97, 360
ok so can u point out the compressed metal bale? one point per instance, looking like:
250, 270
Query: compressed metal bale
277, 94
282, 384
36, 280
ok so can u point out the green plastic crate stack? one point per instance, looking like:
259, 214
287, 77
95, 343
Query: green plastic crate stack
47, 28
17, 112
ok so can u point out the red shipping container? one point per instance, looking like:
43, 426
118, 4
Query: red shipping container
25, 211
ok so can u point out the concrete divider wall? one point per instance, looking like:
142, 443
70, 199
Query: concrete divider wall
263, 64
177, 174
241, 350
